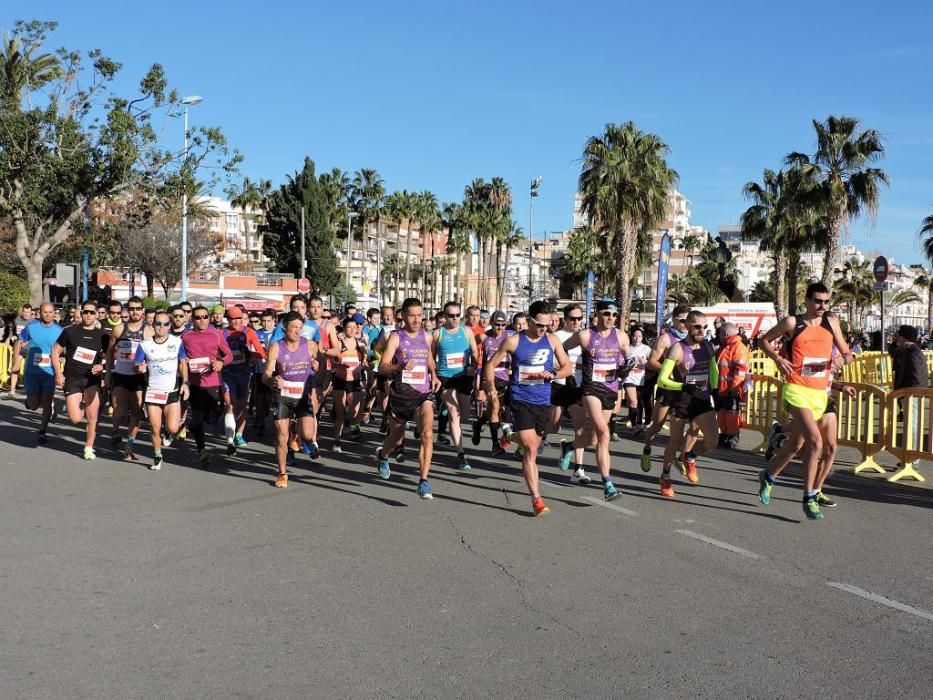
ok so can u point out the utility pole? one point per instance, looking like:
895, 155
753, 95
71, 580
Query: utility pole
535, 184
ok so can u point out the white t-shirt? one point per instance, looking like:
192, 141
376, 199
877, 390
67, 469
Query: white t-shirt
576, 358
162, 361
640, 353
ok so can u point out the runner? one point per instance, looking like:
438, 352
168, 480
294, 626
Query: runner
207, 353
457, 357
693, 360
217, 317
495, 336
409, 361
84, 347
810, 339
246, 348
350, 360
732, 357
532, 355
26, 314
261, 391
159, 358
633, 383
36, 340
290, 363
663, 398
519, 322
566, 395
604, 348
310, 329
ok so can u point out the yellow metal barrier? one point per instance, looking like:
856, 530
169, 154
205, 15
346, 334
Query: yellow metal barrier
762, 407
870, 368
908, 429
6, 363
764, 366
861, 423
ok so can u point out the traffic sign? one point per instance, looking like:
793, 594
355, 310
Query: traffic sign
882, 286
304, 285
880, 268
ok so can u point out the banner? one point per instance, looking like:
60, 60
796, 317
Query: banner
590, 283
663, 264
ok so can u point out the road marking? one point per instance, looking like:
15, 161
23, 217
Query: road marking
875, 598
716, 543
605, 504
551, 483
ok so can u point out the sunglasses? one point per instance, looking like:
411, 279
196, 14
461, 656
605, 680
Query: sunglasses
820, 302
134, 308
499, 325
161, 324
698, 327
542, 325
610, 314
681, 319
453, 315
326, 318
574, 319
200, 318
178, 315
89, 311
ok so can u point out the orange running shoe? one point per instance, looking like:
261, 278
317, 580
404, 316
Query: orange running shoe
667, 488
282, 481
688, 467
539, 506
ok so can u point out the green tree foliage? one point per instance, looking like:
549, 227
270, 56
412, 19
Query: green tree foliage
282, 228
14, 292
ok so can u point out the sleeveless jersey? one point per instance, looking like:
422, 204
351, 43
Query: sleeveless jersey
490, 347
417, 349
349, 365
294, 367
529, 361
453, 352
125, 351
694, 366
601, 359
810, 351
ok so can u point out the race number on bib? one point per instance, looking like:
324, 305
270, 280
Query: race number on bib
531, 374
292, 390
604, 372
84, 355
416, 376
42, 360
697, 379
455, 361
199, 365
239, 357
157, 396
814, 367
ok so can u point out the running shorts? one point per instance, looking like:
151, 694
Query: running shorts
462, 383
77, 385
39, 384
237, 385
294, 409
129, 382
606, 396
804, 397
349, 385
530, 416
565, 395
666, 397
688, 406
404, 401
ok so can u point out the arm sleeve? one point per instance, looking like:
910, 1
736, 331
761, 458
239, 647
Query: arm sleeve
254, 341
140, 356
713, 374
181, 351
664, 377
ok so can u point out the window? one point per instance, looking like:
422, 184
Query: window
233, 222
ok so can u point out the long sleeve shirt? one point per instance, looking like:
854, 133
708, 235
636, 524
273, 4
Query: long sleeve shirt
201, 349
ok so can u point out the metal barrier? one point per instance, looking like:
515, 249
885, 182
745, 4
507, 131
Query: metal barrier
861, 423
764, 366
908, 427
762, 407
6, 363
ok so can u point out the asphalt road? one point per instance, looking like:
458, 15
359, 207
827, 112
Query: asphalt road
118, 582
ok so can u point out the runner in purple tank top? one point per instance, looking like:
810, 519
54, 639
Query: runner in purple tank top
409, 363
604, 349
290, 363
491, 342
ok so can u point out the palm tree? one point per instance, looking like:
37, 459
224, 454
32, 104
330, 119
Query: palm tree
846, 184
430, 217
250, 196
459, 244
625, 182
21, 72
368, 195
925, 282
393, 209
761, 222
690, 243
513, 238
855, 286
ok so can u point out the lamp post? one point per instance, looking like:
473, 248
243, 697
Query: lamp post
186, 101
346, 291
535, 184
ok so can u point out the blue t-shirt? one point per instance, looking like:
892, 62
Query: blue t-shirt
39, 340
309, 332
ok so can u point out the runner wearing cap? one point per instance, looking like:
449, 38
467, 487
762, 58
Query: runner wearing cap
246, 349
217, 317
494, 337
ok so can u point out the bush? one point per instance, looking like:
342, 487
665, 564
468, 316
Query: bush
14, 292
157, 304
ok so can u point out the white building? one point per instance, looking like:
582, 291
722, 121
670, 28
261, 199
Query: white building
241, 240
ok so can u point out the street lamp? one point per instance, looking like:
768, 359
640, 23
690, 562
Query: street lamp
346, 292
535, 184
186, 101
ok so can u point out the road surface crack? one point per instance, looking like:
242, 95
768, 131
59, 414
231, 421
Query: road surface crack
519, 583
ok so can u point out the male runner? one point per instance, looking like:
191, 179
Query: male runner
84, 347
207, 353
290, 363
694, 362
408, 360
604, 348
370, 335
309, 331
663, 398
455, 351
237, 376
26, 314
495, 336
261, 391
160, 359
217, 317
807, 371
566, 395
126, 384
532, 354
37, 338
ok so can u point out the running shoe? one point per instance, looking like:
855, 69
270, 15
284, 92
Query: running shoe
336, 449
610, 492
384, 425
89, 453
477, 432
579, 477
231, 448
41, 438
825, 501
442, 439
182, 434
115, 440
240, 441
354, 431
382, 465
613, 437
424, 490
688, 467
773, 438
505, 439
462, 464
290, 460
129, 455
646, 459
764, 487
811, 508
282, 481
566, 454
667, 487
539, 506
167, 439
293, 443
156, 464
204, 458
497, 450
310, 448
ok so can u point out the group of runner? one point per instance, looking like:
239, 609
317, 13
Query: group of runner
188, 366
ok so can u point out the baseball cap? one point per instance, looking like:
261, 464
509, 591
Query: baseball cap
359, 318
217, 309
234, 312
606, 305
484, 314
497, 317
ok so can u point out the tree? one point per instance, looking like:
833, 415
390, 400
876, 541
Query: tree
925, 282
846, 184
250, 198
761, 222
66, 139
458, 244
430, 217
512, 239
625, 182
762, 291
399, 207
690, 243
854, 285
282, 228
14, 292
367, 192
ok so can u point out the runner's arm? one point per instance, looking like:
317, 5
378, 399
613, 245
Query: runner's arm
269, 370
473, 351
56, 358
664, 378
574, 341
386, 366
564, 366
661, 346
786, 325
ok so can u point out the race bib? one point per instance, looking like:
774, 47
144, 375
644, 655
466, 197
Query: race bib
157, 396
697, 379
604, 372
638, 369
350, 361
292, 390
125, 351
199, 365
239, 357
455, 362
814, 367
531, 374
84, 355
416, 376
42, 360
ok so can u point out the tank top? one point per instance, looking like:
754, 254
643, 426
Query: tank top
529, 360
453, 352
491, 347
240, 349
125, 351
348, 366
294, 367
414, 348
601, 360
640, 354
694, 366
810, 351
576, 359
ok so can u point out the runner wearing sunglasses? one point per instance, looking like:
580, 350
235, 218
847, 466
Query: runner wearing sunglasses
494, 337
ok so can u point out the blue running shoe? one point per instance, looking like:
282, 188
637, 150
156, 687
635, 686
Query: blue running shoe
382, 464
239, 441
610, 492
812, 508
424, 490
566, 454
463, 465
764, 487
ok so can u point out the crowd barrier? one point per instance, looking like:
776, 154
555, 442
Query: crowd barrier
6, 364
872, 421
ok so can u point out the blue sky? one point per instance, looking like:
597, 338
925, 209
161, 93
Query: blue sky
434, 94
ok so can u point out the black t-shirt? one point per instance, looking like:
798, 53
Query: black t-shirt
84, 348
